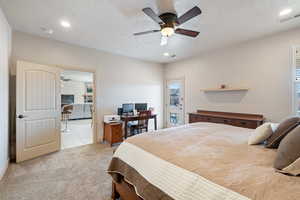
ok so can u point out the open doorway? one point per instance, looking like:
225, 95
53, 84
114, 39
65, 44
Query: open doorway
77, 105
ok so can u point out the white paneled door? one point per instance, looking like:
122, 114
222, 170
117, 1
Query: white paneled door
38, 110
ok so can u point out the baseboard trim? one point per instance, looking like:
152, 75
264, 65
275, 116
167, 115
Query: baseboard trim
4, 169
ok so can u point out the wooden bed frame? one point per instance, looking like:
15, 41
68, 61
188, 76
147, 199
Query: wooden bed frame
123, 190
126, 191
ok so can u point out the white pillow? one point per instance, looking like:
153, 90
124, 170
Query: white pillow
260, 134
274, 126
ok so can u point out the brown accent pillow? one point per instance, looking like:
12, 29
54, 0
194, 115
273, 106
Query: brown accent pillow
283, 129
289, 149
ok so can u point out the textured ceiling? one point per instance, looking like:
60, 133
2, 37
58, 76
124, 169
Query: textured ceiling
108, 25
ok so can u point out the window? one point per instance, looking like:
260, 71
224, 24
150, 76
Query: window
174, 118
297, 73
297, 82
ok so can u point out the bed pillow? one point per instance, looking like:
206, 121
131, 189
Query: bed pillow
288, 154
260, 134
274, 126
282, 130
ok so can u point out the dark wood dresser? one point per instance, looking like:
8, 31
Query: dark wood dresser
235, 119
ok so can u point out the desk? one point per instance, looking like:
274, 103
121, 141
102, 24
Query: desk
129, 118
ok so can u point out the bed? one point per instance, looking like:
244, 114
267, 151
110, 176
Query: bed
204, 161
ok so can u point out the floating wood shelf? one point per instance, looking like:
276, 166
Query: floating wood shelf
224, 90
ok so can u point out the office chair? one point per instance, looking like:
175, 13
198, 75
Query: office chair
142, 125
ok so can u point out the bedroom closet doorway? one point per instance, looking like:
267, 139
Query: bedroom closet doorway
77, 108
175, 102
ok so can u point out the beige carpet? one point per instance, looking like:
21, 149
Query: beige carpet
76, 173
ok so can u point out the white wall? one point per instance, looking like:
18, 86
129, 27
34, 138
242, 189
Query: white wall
5, 39
118, 79
76, 88
263, 65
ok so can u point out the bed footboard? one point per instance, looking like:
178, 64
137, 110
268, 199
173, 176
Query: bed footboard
124, 191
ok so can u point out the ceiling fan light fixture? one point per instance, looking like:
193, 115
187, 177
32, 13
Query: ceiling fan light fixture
167, 31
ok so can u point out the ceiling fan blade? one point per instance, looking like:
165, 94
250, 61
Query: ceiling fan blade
146, 32
148, 11
164, 41
189, 15
186, 32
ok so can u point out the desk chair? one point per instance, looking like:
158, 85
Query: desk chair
66, 112
142, 124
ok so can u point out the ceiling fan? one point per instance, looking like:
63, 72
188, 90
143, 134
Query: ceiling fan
169, 22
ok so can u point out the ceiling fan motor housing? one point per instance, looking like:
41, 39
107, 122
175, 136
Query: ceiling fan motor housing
169, 19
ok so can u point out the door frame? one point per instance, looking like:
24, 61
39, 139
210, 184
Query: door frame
181, 78
80, 69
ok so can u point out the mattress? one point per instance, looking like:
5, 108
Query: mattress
201, 161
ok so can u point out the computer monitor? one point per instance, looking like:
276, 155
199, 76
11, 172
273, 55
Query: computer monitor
120, 111
140, 106
128, 108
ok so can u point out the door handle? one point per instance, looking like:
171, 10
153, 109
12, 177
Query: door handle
21, 116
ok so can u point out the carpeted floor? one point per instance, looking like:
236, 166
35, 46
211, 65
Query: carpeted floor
76, 173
